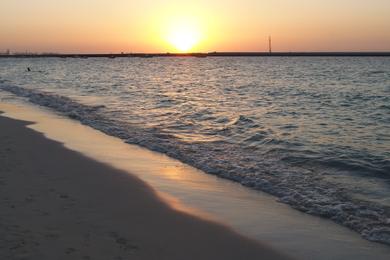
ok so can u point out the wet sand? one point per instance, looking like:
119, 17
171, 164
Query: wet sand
58, 204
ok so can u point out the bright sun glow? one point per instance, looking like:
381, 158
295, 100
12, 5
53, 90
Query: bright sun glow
183, 34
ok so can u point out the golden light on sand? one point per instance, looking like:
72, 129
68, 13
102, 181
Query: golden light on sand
183, 34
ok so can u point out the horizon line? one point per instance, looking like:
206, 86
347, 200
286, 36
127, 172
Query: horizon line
196, 54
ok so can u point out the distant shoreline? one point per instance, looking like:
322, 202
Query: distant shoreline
203, 55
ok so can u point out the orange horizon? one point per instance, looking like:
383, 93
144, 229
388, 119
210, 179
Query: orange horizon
97, 26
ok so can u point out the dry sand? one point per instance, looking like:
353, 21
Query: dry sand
58, 204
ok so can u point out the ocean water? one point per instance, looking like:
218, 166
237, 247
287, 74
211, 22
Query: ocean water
313, 131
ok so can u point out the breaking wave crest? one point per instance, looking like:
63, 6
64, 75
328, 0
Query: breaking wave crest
275, 171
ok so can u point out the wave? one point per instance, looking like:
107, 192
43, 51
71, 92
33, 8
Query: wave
302, 188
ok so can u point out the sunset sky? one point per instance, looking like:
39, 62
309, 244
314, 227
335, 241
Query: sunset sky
111, 26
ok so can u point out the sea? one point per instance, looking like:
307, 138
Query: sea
312, 131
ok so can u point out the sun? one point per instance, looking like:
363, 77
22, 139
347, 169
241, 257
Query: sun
183, 34
183, 39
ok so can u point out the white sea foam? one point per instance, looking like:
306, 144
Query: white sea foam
303, 189
312, 131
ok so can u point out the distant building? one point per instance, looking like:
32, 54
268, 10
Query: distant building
7, 52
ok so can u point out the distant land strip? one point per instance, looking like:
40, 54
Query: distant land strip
201, 55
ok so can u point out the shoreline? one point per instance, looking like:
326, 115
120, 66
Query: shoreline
59, 204
326, 200
254, 214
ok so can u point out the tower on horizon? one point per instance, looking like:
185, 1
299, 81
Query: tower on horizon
269, 44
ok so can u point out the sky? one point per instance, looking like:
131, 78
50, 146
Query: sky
114, 26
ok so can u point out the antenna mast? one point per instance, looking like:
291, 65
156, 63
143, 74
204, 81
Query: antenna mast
269, 44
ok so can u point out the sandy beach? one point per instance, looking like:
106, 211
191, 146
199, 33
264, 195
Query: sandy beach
194, 130
58, 204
